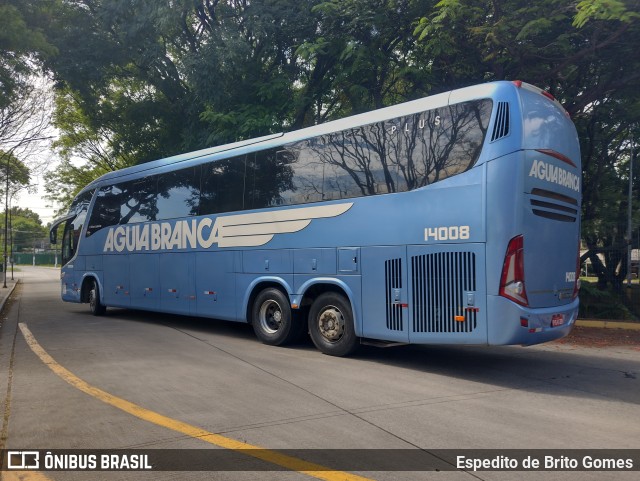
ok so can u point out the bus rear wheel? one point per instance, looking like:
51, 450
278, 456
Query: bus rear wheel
272, 318
331, 325
96, 307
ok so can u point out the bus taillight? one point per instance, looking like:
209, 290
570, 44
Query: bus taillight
512, 279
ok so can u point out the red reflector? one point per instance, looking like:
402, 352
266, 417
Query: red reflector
524, 322
548, 95
517, 83
557, 155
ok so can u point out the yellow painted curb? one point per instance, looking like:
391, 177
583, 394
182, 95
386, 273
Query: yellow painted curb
634, 326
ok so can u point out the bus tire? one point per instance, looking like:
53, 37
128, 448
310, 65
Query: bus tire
95, 306
331, 325
272, 318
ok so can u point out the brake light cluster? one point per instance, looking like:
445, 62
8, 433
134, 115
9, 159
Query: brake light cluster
512, 279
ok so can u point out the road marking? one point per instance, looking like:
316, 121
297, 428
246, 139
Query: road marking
273, 457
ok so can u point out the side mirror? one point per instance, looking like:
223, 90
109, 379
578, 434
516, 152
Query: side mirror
53, 235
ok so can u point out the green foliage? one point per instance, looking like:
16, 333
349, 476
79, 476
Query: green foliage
19, 174
64, 183
602, 304
603, 10
26, 229
18, 42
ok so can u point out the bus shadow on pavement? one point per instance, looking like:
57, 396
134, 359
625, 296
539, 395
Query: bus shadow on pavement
538, 369
575, 372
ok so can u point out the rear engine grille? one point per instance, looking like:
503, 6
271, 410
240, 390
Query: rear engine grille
554, 210
501, 125
393, 282
441, 283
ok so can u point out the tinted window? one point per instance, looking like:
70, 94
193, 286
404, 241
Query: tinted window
81, 202
222, 186
73, 227
178, 193
269, 178
106, 210
127, 202
304, 173
392, 156
403, 153
138, 201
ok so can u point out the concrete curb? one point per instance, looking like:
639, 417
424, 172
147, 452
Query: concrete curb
635, 326
4, 301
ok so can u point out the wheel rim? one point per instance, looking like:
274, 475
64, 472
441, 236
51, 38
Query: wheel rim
270, 316
331, 323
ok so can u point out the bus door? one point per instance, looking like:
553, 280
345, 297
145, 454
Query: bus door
177, 283
385, 295
447, 294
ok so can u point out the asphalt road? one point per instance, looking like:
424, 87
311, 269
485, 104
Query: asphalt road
203, 384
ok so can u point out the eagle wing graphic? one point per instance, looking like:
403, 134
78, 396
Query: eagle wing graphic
250, 230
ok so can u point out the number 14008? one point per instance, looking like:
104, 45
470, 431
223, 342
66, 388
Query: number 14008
454, 232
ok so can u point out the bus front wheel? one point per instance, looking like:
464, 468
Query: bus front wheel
272, 318
96, 307
331, 325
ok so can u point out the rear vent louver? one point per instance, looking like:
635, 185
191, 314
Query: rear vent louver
393, 284
442, 284
501, 125
550, 208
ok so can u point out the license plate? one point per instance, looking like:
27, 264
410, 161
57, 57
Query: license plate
557, 320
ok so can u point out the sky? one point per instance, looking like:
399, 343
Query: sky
36, 203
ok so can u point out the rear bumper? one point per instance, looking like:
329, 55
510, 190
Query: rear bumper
506, 320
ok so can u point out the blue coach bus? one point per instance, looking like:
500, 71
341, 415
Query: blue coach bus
451, 219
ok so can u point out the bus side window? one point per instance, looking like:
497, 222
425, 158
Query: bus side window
439, 143
222, 186
271, 175
71, 236
300, 173
178, 193
106, 210
139, 200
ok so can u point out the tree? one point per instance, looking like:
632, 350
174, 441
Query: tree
362, 57
18, 173
25, 228
19, 42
